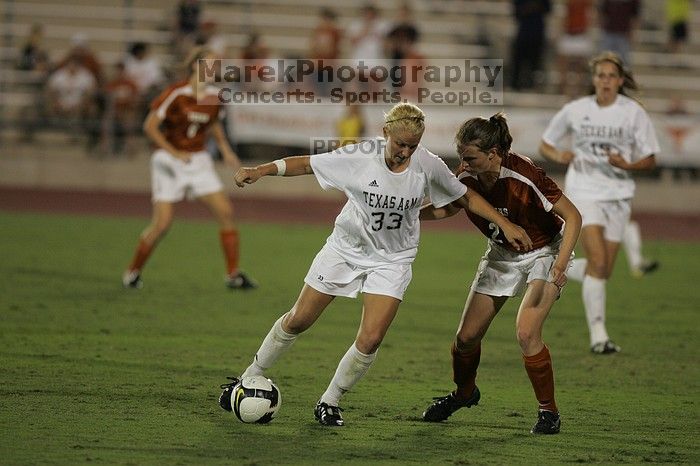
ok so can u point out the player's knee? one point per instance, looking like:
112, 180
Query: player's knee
293, 324
527, 336
597, 267
467, 341
368, 343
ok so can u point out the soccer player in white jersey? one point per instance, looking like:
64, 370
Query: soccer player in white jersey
373, 243
612, 136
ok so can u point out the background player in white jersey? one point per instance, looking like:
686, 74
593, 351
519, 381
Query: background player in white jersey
373, 243
612, 137
179, 123
523, 193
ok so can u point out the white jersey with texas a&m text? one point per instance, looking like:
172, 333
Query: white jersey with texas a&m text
623, 127
379, 223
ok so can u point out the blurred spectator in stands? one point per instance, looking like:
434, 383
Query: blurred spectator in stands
121, 121
677, 15
324, 44
403, 31
35, 61
32, 56
618, 20
80, 50
209, 36
529, 42
186, 25
367, 39
145, 71
255, 54
351, 125
70, 92
574, 47
326, 36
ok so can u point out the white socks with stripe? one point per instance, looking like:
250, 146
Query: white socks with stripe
276, 343
632, 242
594, 302
350, 370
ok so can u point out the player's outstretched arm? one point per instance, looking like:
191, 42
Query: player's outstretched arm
288, 166
430, 212
515, 235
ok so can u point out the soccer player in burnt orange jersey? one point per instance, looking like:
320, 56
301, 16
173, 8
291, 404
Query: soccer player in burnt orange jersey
524, 194
179, 123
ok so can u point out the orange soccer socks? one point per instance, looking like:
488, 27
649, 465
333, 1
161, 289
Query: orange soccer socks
464, 365
141, 255
539, 370
230, 246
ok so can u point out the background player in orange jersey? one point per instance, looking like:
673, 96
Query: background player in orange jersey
523, 193
179, 122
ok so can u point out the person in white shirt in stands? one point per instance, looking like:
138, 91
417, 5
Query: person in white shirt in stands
71, 91
612, 136
373, 243
144, 70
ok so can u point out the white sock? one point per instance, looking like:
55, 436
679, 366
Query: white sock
273, 346
632, 242
350, 370
594, 301
577, 269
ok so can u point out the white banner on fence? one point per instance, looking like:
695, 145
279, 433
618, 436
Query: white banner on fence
679, 135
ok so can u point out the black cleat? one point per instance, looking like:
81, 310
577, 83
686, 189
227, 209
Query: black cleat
225, 397
647, 267
444, 406
328, 415
605, 347
240, 281
132, 279
547, 423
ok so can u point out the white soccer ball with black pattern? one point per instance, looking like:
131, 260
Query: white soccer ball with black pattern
255, 399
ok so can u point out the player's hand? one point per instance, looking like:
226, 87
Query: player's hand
518, 238
557, 276
183, 155
246, 175
566, 156
616, 160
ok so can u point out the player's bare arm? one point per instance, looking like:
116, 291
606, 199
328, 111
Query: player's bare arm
572, 228
647, 163
550, 152
430, 212
227, 153
515, 235
293, 166
152, 129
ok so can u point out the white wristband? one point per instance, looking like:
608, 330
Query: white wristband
281, 166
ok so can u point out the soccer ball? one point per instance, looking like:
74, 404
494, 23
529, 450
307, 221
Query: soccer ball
255, 399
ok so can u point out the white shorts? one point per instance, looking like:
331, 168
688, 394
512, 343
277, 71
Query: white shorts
612, 215
172, 179
503, 272
330, 273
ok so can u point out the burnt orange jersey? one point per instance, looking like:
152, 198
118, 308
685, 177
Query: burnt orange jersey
525, 195
185, 121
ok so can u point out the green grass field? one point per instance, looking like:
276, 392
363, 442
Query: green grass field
92, 373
